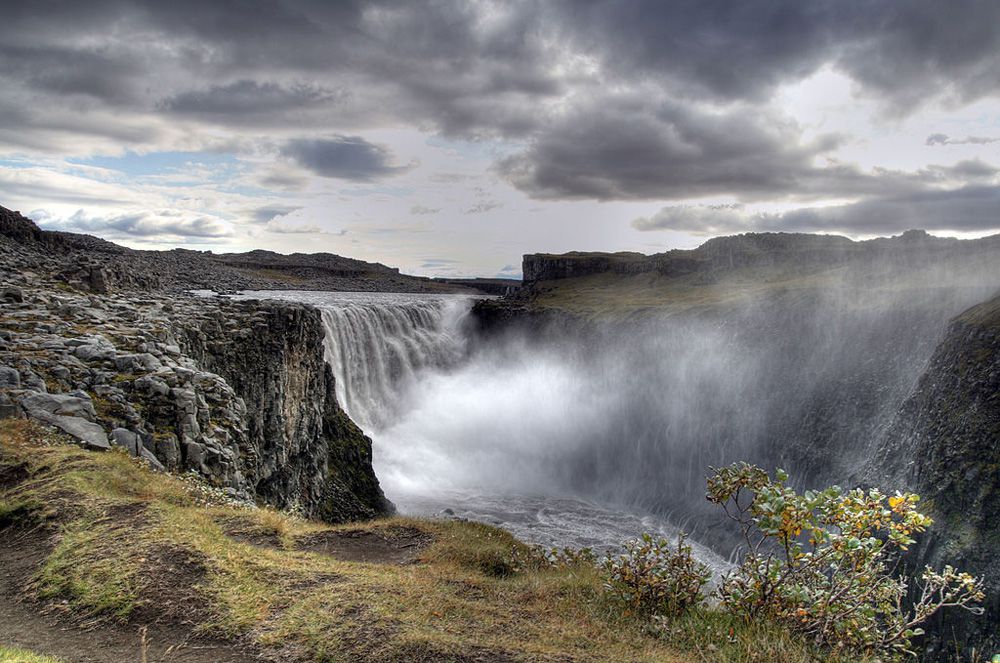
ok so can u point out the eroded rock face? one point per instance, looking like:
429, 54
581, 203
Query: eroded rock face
944, 444
237, 392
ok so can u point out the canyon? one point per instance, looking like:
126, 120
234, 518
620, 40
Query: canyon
605, 388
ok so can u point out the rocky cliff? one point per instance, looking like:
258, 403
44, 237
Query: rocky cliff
944, 444
777, 252
237, 392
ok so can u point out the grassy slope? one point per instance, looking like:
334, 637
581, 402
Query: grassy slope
16, 655
134, 545
616, 295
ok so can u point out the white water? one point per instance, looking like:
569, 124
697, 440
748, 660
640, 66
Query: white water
471, 435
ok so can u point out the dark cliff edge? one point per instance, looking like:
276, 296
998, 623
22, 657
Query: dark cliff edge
301, 448
944, 444
237, 392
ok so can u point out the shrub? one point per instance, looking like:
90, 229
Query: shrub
822, 562
653, 578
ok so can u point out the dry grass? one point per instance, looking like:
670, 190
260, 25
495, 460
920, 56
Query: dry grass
475, 593
17, 655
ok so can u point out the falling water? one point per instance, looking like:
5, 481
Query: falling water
568, 440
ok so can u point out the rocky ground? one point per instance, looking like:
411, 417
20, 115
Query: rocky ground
236, 392
94, 264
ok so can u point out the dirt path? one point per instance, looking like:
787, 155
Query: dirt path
23, 624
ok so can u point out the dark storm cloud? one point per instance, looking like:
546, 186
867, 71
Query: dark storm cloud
247, 97
266, 214
632, 148
569, 80
970, 209
343, 157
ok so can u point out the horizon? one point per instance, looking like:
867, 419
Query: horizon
448, 139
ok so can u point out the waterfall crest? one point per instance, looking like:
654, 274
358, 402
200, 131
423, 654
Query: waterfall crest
377, 349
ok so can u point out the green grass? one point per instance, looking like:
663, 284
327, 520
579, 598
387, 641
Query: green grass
17, 655
474, 591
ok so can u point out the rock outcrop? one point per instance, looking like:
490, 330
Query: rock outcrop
944, 444
775, 251
237, 392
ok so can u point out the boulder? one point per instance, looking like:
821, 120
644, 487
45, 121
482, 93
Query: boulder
9, 378
60, 404
126, 439
11, 295
89, 434
96, 351
8, 408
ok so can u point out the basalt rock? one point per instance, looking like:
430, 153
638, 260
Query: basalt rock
238, 393
943, 445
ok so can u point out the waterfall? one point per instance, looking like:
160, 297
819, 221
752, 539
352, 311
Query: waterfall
378, 348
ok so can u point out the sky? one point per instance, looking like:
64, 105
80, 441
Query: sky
448, 138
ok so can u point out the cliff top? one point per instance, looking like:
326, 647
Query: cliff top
725, 270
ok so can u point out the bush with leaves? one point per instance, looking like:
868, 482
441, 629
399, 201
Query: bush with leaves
823, 562
652, 577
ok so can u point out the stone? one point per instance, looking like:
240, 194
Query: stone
140, 362
8, 408
89, 434
59, 404
120, 437
9, 378
152, 385
153, 461
12, 295
95, 352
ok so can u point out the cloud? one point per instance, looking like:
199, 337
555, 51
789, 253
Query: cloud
246, 100
343, 157
483, 206
438, 263
144, 225
509, 272
630, 147
272, 212
275, 226
421, 210
700, 219
944, 139
967, 209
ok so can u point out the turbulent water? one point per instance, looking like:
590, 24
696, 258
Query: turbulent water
590, 441
463, 433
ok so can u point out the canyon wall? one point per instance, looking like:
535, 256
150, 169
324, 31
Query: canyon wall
237, 392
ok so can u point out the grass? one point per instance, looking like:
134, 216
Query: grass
16, 655
135, 545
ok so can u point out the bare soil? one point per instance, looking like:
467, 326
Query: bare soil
389, 545
47, 628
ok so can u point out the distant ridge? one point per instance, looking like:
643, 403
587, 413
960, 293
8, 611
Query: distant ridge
98, 264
